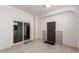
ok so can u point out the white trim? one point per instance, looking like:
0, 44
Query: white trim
21, 42
23, 32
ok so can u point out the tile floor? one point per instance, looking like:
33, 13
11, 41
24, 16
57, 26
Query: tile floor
38, 46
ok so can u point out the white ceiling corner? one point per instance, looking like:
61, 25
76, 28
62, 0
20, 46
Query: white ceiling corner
38, 9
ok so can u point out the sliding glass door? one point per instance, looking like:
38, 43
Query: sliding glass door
21, 30
18, 31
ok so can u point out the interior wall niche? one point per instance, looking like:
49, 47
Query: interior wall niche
21, 31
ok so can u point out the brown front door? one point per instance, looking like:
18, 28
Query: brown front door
51, 32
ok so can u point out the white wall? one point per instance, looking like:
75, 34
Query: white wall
36, 26
77, 9
65, 22
9, 14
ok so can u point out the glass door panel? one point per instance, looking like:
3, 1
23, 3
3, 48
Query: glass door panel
18, 31
26, 31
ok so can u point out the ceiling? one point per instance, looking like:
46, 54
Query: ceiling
38, 9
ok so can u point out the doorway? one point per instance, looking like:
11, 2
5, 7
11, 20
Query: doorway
51, 26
